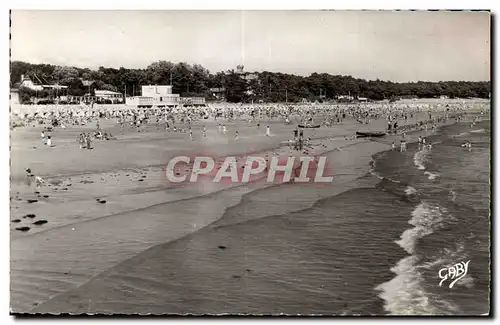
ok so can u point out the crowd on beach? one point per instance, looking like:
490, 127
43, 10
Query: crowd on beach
399, 117
181, 118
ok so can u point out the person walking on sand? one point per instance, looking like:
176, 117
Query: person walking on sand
268, 131
393, 145
224, 130
88, 141
237, 136
42, 136
49, 141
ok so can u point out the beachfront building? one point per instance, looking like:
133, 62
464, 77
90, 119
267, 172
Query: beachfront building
36, 84
218, 93
159, 96
113, 96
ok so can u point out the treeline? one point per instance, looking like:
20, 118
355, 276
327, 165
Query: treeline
194, 80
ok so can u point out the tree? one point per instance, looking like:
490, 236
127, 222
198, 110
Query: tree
65, 75
195, 80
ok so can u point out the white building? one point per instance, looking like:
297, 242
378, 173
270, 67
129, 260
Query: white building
154, 96
156, 91
108, 94
37, 86
161, 96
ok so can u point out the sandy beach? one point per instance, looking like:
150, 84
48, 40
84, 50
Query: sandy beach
75, 257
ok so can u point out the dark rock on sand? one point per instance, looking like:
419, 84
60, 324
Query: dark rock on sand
222, 247
236, 276
40, 222
102, 201
141, 180
16, 220
45, 196
23, 228
32, 201
37, 192
86, 182
31, 215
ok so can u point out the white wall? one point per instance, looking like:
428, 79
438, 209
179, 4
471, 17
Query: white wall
156, 91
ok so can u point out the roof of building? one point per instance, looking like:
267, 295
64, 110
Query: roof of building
106, 92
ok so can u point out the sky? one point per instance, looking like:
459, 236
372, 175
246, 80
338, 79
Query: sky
389, 45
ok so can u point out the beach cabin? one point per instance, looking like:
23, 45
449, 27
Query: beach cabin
105, 95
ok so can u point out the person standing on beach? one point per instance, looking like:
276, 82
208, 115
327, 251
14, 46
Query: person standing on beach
191, 134
88, 140
224, 130
403, 146
268, 131
42, 135
49, 141
237, 136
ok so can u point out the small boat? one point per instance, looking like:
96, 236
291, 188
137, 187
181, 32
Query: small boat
308, 126
370, 134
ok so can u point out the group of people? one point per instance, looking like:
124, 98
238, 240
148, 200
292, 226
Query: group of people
181, 118
84, 140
